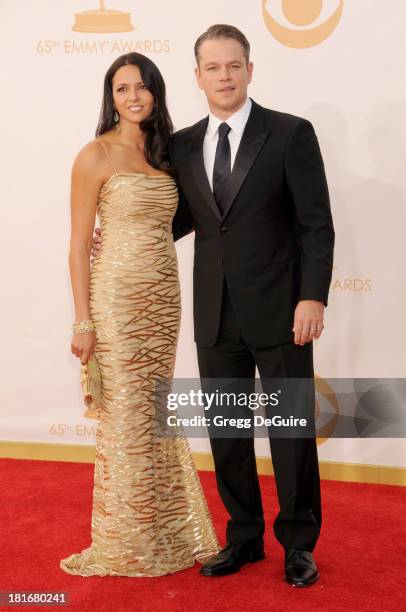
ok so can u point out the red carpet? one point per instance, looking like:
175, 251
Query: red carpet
45, 515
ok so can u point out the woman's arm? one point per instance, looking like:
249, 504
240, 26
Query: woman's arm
85, 186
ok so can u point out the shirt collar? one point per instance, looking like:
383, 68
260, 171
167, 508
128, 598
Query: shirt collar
237, 122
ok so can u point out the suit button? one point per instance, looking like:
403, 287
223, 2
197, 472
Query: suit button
223, 228
220, 261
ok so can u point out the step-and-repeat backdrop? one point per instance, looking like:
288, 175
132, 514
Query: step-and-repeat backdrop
338, 63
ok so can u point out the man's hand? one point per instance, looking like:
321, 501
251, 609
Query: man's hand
308, 323
96, 245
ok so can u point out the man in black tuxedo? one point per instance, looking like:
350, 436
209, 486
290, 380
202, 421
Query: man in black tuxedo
253, 188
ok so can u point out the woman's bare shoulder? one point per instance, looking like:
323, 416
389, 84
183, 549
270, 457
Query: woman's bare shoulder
91, 161
91, 154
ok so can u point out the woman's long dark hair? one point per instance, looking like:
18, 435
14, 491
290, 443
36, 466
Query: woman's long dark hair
158, 126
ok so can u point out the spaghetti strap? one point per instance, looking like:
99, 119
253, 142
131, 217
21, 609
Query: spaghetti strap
103, 146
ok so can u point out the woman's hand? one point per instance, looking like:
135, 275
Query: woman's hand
83, 345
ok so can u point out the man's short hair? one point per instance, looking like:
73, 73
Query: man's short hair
223, 31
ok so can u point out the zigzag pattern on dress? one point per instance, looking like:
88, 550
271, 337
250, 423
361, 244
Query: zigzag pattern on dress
149, 514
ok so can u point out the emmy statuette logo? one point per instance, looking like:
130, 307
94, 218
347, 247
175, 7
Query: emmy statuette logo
300, 24
102, 20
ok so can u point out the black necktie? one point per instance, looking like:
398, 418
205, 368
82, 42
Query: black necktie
222, 166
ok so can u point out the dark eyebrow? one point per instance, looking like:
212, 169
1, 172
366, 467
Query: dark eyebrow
229, 63
120, 84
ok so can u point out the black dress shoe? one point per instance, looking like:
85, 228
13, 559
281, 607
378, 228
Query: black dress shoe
300, 568
232, 557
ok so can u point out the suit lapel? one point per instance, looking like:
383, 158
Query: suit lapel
253, 138
197, 165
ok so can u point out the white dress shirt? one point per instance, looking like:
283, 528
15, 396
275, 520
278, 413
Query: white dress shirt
237, 123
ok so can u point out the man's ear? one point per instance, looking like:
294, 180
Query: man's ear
250, 68
197, 75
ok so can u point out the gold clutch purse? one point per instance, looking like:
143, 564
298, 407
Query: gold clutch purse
90, 379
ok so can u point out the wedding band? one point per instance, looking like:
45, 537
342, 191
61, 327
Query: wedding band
313, 329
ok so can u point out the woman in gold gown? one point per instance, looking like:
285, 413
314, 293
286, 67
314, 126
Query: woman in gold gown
149, 515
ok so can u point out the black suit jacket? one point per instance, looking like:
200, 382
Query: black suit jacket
274, 243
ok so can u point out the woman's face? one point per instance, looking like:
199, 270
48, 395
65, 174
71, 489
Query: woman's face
132, 100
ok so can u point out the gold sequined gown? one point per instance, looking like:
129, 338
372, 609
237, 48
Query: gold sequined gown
149, 515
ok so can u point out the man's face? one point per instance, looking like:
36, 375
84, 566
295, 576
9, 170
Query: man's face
223, 74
